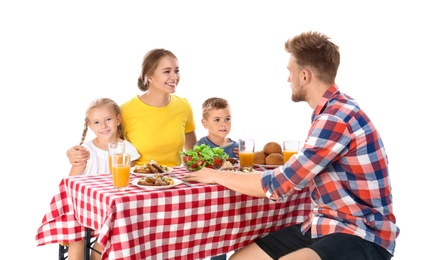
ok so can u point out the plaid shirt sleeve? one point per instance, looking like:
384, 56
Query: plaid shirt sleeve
327, 141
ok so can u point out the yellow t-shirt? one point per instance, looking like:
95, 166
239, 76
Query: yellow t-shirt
158, 133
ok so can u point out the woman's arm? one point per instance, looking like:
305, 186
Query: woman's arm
190, 140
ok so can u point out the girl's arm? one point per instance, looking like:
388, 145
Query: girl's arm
77, 169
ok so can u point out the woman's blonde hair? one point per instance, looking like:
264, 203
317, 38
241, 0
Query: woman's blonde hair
100, 102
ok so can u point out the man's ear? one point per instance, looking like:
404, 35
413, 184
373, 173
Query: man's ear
306, 76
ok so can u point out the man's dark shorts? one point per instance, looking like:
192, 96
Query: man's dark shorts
334, 246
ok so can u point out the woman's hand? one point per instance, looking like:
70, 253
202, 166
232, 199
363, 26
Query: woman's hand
77, 155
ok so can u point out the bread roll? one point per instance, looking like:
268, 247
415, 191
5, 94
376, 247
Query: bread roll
259, 157
272, 147
274, 159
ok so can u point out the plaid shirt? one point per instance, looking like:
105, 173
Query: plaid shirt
344, 164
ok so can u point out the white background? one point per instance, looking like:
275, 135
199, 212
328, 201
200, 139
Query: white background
55, 57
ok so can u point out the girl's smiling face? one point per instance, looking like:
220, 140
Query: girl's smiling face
103, 121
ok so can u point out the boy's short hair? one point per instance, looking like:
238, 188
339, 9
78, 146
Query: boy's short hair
213, 103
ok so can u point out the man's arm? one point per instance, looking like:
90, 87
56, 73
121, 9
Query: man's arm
246, 183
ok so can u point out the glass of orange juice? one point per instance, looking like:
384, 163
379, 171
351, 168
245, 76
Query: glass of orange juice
290, 147
121, 165
246, 152
114, 148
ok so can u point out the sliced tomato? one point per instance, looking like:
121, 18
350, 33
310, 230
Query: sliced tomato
200, 162
217, 161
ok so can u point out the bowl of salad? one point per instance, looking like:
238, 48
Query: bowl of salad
203, 156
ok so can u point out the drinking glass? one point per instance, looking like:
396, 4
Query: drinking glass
290, 147
246, 152
121, 165
114, 148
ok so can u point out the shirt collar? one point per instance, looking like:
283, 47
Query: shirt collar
331, 92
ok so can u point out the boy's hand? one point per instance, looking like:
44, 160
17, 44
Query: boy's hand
78, 155
236, 151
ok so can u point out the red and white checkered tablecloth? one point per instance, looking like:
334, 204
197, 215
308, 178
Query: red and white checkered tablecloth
177, 223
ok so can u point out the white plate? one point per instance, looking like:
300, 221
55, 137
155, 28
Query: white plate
236, 169
145, 174
267, 166
169, 170
176, 182
229, 168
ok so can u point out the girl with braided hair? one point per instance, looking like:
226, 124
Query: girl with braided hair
103, 117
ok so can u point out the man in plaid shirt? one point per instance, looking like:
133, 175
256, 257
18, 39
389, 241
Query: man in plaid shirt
343, 163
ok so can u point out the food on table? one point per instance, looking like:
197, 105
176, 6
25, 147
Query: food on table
238, 169
156, 180
259, 157
227, 164
232, 160
272, 154
203, 156
231, 164
246, 169
272, 147
150, 168
274, 159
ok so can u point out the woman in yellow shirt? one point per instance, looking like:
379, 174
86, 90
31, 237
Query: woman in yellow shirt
157, 122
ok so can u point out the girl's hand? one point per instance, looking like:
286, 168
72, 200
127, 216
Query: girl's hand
78, 155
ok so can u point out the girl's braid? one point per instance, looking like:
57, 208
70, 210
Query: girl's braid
84, 132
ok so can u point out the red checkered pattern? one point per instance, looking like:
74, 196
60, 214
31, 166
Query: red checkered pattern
178, 223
